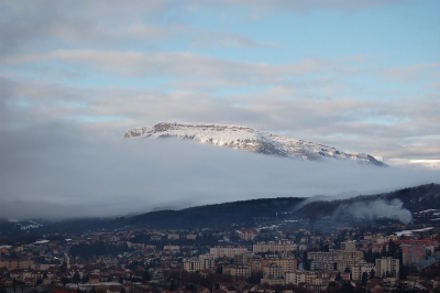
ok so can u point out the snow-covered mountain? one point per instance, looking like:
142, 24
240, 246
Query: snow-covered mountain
248, 139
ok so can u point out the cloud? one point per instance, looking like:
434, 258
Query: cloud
101, 24
67, 166
412, 73
78, 168
261, 7
205, 38
184, 65
408, 131
76, 75
429, 163
42, 21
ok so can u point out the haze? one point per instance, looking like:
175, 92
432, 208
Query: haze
59, 171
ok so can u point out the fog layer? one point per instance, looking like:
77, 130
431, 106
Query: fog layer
60, 171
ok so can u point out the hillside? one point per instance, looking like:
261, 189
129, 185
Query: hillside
399, 205
415, 205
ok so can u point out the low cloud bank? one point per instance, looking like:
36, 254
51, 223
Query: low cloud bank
61, 171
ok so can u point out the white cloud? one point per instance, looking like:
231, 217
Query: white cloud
349, 124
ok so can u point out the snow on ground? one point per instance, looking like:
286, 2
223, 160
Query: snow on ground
44, 241
248, 139
426, 211
410, 232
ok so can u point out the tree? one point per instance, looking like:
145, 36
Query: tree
306, 263
338, 277
364, 278
146, 276
403, 272
347, 287
255, 278
76, 278
85, 278
173, 285
63, 267
394, 250
64, 280
369, 257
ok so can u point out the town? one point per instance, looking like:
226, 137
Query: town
238, 259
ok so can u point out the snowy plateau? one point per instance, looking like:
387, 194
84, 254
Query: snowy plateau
251, 140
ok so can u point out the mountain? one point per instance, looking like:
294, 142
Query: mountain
246, 212
248, 139
417, 206
403, 205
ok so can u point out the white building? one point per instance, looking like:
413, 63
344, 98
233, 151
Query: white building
191, 265
387, 267
202, 263
282, 246
237, 271
229, 252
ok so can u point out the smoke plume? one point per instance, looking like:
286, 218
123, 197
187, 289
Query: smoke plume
378, 209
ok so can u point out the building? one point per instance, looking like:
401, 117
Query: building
287, 264
173, 236
282, 246
229, 252
387, 267
358, 270
273, 275
336, 260
415, 251
207, 262
238, 271
412, 254
315, 281
191, 236
247, 234
202, 263
348, 245
171, 249
273, 271
191, 265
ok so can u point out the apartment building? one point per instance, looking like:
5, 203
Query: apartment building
387, 267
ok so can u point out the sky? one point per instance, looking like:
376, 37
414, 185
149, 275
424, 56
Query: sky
361, 75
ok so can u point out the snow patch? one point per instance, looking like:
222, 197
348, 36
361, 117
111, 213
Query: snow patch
411, 232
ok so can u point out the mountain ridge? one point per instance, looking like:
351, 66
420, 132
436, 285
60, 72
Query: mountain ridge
399, 205
417, 206
247, 139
